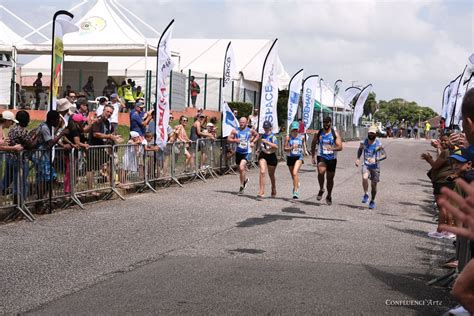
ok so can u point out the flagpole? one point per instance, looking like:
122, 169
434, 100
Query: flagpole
223, 88
262, 87
321, 100
336, 91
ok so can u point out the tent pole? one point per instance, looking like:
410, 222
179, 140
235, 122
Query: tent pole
13, 99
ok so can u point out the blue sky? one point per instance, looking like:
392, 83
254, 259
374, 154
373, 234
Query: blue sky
408, 49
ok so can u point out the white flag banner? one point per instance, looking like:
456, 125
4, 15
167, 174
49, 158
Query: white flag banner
349, 95
62, 25
294, 97
164, 65
269, 92
463, 87
229, 121
310, 87
453, 92
359, 106
444, 105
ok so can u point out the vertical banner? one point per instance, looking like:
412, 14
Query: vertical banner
349, 95
359, 106
229, 121
321, 80
337, 86
269, 92
294, 97
453, 91
444, 105
464, 83
61, 25
310, 87
164, 65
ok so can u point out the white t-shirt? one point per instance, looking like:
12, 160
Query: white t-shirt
114, 117
100, 110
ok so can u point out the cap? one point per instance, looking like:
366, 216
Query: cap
7, 115
267, 124
209, 125
459, 158
327, 119
63, 104
134, 134
140, 104
373, 129
102, 100
202, 115
114, 95
295, 125
78, 118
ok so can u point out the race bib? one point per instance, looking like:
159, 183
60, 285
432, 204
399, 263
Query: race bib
243, 144
327, 150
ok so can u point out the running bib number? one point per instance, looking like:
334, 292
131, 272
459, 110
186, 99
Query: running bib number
370, 161
243, 142
296, 151
327, 150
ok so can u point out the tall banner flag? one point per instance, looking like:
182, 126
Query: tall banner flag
61, 25
462, 89
269, 92
294, 97
310, 87
229, 121
337, 86
164, 66
359, 106
349, 95
444, 105
453, 91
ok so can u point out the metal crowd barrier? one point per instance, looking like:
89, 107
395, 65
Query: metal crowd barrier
184, 168
228, 157
159, 166
95, 171
130, 165
204, 158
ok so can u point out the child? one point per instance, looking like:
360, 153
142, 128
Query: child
151, 151
130, 159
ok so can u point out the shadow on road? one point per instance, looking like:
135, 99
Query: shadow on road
254, 197
246, 250
356, 207
269, 218
294, 210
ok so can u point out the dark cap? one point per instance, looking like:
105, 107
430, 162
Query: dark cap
102, 100
267, 124
327, 119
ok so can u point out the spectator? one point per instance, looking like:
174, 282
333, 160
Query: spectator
75, 137
100, 108
63, 107
427, 130
152, 160
109, 89
38, 85
388, 128
138, 122
138, 94
253, 120
181, 136
131, 157
89, 88
442, 126
194, 89
395, 129
236, 113
114, 119
197, 134
7, 119
409, 129
71, 96
415, 130
128, 95
120, 90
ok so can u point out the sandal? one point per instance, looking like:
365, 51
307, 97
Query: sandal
320, 195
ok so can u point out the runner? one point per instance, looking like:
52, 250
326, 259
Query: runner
267, 158
245, 138
373, 153
294, 159
329, 142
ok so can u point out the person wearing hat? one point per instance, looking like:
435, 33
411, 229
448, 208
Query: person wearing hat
7, 119
329, 143
267, 159
100, 108
373, 152
63, 106
294, 159
245, 139
137, 122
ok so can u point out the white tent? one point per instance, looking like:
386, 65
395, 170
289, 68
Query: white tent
9, 39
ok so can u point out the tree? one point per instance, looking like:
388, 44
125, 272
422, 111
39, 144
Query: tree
370, 105
398, 109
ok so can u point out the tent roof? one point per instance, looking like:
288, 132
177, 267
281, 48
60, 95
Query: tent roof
8, 38
317, 107
199, 55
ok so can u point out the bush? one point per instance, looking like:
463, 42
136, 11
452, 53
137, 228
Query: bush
244, 109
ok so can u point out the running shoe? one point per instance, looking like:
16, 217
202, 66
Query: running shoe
448, 235
372, 205
329, 200
320, 195
241, 190
365, 198
458, 310
438, 235
296, 195
245, 183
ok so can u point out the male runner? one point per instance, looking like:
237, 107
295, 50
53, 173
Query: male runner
329, 142
373, 153
245, 139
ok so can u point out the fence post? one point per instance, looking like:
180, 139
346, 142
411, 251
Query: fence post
220, 93
171, 88
189, 90
205, 90
254, 99
232, 96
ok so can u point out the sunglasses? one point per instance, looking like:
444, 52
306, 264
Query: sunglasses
185, 120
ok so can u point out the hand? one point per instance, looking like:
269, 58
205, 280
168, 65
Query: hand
67, 146
426, 156
435, 143
86, 146
17, 147
357, 163
463, 212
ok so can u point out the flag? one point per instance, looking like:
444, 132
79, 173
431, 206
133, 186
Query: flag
294, 97
453, 91
61, 26
310, 86
229, 121
359, 107
349, 95
444, 105
269, 92
464, 83
164, 65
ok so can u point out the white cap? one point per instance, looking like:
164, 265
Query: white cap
7, 115
134, 134
373, 129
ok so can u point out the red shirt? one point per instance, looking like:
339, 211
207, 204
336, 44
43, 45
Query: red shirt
193, 89
301, 127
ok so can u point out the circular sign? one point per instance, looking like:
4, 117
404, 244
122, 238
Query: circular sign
93, 24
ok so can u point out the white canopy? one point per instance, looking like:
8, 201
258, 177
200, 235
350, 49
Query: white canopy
8, 38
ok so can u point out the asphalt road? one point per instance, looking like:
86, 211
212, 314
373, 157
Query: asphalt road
202, 249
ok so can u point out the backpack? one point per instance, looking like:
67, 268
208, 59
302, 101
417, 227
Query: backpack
198, 88
333, 132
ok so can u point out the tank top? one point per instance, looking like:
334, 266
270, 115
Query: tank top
244, 140
299, 150
264, 147
193, 134
371, 152
326, 143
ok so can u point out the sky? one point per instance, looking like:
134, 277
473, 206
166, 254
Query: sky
406, 49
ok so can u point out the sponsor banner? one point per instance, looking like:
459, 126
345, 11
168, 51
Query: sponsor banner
269, 93
310, 87
164, 66
359, 107
229, 121
294, 97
